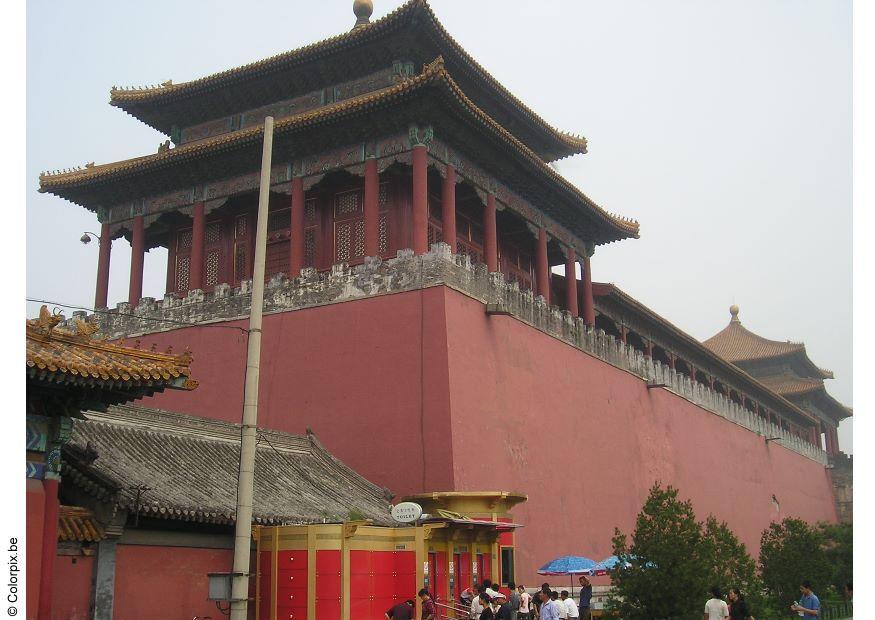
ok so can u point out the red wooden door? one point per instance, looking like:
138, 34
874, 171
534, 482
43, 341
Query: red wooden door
291, 584
440, 582
328, 585
464, 569
405, 576
360, 584
265, 584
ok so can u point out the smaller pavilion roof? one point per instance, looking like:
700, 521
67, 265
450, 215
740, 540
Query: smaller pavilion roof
60, 357
738, 344
167, 465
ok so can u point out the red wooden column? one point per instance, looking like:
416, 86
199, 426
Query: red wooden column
102, 289
49, 548
138, 250
448, 209
420, 199
588, 304
692, 372
835, 440
297, 233
571, 282
372, 208
490, 235
543, 268
196, 268
648, 349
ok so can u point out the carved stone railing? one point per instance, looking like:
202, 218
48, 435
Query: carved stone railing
407, 272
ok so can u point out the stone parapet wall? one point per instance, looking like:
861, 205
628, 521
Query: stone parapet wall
406, 272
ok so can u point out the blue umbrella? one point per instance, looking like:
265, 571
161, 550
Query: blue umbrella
568, 565
605, 565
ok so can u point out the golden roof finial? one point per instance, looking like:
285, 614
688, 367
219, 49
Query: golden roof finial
733, 310
363, 10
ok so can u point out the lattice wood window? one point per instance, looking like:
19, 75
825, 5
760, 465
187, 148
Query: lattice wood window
182, 269
241, 248
214, 253
349, 228
277, 256
311, 226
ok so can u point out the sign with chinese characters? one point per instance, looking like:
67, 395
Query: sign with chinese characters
406, 512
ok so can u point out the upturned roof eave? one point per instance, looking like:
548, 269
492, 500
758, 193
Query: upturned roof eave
433, 74
147, 104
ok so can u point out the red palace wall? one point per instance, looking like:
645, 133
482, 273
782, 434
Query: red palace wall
71, 596
165, 582
35, 500
422, 391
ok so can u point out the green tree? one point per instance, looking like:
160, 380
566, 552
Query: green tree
792, 552
660, 573
729, 565
838, 545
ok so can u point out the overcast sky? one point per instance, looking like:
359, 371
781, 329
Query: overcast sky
723, 127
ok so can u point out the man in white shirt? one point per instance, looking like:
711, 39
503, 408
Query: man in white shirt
476, 607
570, 605
525, 604
563, 610
716, 608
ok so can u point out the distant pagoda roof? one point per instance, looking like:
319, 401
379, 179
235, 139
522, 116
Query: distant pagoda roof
410, 33
100, 371
530, 175
738, 344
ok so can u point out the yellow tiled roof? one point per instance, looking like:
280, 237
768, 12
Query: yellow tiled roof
59, 355
412, 11
77, 524
433, 74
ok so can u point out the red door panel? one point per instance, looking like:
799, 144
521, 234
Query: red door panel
291, 579
292, 560
328, 561
439, 588
291, 613
328, 610
291, 597
383, 562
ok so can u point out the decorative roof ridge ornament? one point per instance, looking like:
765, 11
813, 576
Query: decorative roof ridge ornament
363, 9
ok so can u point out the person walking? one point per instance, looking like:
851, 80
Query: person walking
563, 611
514, 600
549, 609
476, 604
808, 605
429, 612
401, 611
716, 608
525, 611
585, 598
502, 607
486, 605
570, 605
737, 605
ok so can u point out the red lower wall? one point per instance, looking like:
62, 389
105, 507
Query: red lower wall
586, 441
71, 596
422, 391
369, 377
35, 500
166, 582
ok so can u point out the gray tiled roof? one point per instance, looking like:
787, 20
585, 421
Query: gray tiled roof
188, 467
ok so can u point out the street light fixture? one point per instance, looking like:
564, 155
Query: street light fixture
86, 237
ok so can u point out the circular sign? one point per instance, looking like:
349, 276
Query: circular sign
406, 512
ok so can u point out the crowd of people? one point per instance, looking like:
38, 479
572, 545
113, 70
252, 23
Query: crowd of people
487, 601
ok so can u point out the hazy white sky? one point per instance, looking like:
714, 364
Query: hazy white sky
723, 127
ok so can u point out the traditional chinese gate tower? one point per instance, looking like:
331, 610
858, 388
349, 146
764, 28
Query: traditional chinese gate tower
411, 317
